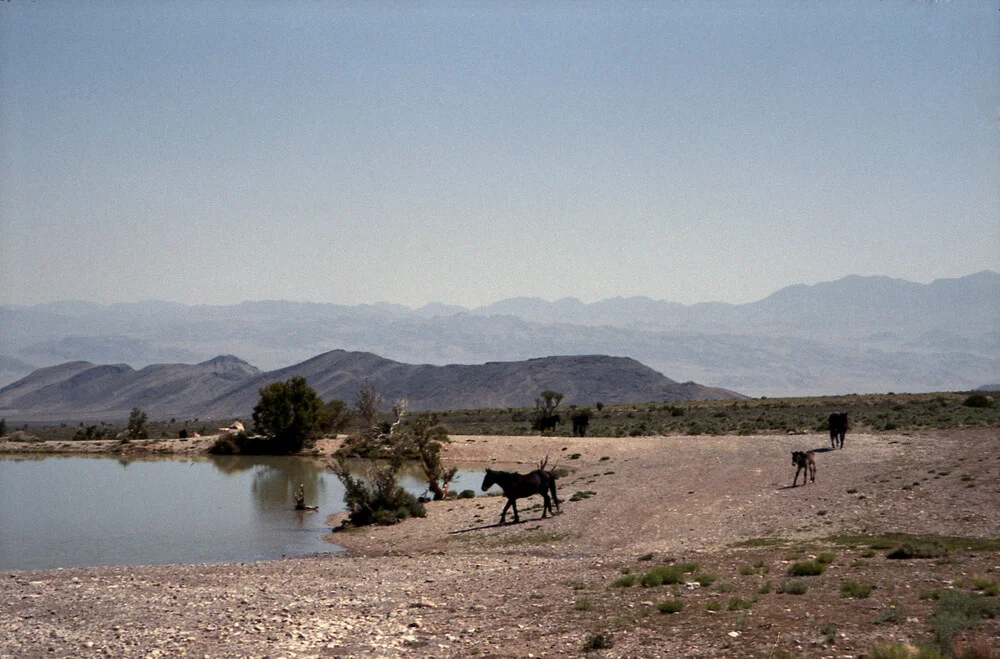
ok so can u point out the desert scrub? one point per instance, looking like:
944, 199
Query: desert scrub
600, 641
669, 574
625, 581
918, 549
582, 604
826, 557
793, 587
957, 611
738, 604
705, 580
896, 650
670, 606
806, 569
987, 586
855, 590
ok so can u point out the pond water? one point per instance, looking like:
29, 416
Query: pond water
86, 511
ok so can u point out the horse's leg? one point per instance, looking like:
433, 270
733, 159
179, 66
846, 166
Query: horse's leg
517, 520
796, 479
552, 486
503, 515
546, 503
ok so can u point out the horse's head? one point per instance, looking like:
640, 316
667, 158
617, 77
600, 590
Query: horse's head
489, 480
796, 457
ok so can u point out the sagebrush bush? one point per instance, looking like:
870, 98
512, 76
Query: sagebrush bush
670, 606
853, 589
806, 569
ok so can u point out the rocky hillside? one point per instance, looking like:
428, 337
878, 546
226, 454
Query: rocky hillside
226, 387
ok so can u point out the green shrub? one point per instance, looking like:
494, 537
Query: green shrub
793, 587
737, 604
705, 580
957, 611
853, 589
978, 400
625, 581
826, 557
668, 574
600, 641
582, 604
895, 650
918, 549
670, 606
806, 569
467, 494
713, 605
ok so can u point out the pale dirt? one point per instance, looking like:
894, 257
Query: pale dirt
455, 584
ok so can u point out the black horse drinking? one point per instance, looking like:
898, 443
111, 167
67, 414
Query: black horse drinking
518, 486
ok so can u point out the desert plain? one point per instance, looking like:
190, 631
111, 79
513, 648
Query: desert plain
719, 509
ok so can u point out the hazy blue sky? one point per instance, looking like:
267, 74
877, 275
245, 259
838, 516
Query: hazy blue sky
466, 152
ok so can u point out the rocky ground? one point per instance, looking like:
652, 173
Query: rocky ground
456, 584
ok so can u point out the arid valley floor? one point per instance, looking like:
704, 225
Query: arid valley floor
455, 584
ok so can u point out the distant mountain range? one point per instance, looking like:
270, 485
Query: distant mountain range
853, 335
227, 387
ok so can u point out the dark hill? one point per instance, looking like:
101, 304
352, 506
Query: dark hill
225, 387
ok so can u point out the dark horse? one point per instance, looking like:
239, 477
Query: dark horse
838, 429
518, 486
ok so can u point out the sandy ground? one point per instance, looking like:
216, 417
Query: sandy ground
456, 584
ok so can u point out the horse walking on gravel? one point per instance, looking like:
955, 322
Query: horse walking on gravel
518, 486
838, 429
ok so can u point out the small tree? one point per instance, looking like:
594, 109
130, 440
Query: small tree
425, 437
336, 417
136, 428
290, 414
545, 410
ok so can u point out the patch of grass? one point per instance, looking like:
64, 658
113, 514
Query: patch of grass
581, 495
896, 650
892, 615
918, 549
706, 580
987, 586
659, 576
806, 569
670, 606
765, 588
829, 632
646, 557
793, 587
599, 641
748, 570
738, 604
713, 605
760, 542
826, 557
869, 553
851, 588
957, 611
576, 585
892, 540
626, 581
582, 604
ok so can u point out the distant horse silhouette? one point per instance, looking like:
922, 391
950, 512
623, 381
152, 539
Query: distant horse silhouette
580, 422
838, 429
804, 461
518, 486
547, 423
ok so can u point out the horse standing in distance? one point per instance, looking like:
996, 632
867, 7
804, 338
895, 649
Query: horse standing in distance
838, 429
518, 486
804, 461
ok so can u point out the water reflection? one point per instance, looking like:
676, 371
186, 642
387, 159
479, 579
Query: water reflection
163, 510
